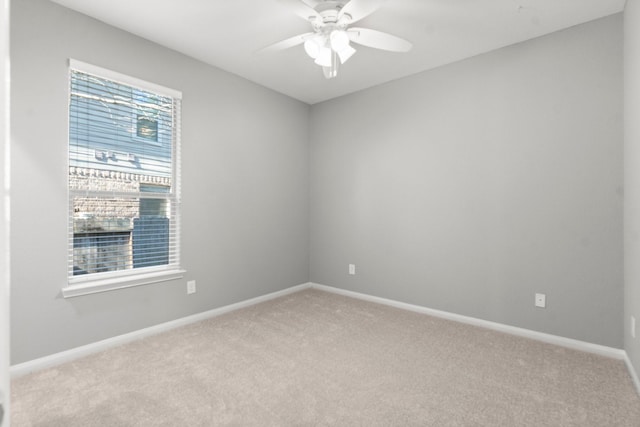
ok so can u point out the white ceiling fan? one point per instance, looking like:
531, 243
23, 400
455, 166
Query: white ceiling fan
329, 44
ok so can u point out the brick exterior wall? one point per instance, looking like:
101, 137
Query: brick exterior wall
103, 231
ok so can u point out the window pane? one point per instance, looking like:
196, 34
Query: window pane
101, 252
117, 128
111, 234
150, 241
123, 207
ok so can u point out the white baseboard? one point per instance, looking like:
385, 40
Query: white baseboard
632, 372
513, 330
85, 350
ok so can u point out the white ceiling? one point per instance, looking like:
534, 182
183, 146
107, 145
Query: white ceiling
228, 34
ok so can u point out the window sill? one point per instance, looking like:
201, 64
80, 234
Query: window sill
113, 283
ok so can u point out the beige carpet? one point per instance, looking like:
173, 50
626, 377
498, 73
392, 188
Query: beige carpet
315, 358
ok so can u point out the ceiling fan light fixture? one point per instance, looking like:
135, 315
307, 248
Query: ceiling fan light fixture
312, 48
313, 45
346, 53
324, 57
339, 40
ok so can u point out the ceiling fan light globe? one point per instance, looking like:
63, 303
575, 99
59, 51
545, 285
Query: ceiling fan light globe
324, 57
339, 40
312, 48
345, 54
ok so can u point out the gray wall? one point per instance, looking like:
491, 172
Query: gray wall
632, 179
470, 187
245, 184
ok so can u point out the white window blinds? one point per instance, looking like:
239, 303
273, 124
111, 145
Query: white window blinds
124, 177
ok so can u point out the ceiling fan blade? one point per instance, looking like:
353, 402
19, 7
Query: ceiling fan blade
287, 43
358, 9
301, 9
378, 40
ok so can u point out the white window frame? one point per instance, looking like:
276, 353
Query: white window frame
101, 282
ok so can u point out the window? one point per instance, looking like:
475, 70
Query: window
124, 181
147, 128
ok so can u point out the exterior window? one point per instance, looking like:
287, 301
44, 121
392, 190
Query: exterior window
147, 128
124, 200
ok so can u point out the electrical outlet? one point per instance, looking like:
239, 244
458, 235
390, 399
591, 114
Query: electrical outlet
352, 269
633, 327
541, 300
191, 287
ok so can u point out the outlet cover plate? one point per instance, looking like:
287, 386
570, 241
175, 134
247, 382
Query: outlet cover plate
541, 300
191, 287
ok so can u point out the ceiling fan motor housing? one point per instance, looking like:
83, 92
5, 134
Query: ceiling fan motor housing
330, 11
